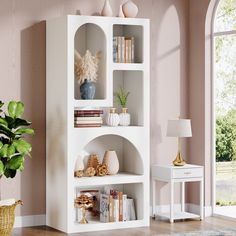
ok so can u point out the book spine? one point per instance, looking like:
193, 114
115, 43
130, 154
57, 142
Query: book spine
86, 126
118, 49
88, 111
124, 207
98, 118
87, 115
130, 209
132, 49
111, 208
87, 122
120, 206
122, 49
116, 210
104, 208
114, 49
129, 53
126, 50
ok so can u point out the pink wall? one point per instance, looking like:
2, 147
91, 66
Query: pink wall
200, 149
22, 66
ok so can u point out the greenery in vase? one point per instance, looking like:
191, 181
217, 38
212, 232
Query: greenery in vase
86, 66
121, 97
13, 146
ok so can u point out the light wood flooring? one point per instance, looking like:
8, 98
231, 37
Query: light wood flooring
157, 227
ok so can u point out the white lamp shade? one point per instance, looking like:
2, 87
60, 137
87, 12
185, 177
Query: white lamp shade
179, 128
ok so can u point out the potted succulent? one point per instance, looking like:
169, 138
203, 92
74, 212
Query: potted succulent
86, 68
121, 98
13, 150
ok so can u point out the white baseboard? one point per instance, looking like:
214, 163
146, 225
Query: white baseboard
27, 221
36, 220
189, 207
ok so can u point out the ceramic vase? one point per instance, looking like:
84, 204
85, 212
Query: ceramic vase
111, 160
79, 164
87, 90
124, 117
112, 118
130, 9
106, 11
79, 167
121, 14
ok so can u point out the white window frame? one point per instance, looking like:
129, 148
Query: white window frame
213, 36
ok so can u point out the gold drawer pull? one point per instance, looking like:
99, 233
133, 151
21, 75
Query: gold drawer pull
187, 173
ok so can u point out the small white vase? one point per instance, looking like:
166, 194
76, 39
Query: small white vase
121, 14
112, 162
112, 118
106, 11
130, 9
79, 164
124, 117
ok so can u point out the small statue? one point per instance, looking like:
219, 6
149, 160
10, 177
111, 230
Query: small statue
84, 202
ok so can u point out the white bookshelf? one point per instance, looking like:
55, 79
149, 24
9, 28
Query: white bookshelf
65, 143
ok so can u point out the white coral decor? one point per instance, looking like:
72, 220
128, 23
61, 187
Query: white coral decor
86, 67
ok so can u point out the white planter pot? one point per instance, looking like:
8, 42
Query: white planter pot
124, 117
112, 118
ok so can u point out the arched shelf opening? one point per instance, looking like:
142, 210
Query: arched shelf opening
130, 160
91, 37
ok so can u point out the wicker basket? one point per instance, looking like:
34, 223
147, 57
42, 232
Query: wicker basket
7, 218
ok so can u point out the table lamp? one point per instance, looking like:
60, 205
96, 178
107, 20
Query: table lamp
180, 128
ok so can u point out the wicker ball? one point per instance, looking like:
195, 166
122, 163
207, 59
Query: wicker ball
79, 173
90, 171
101, 170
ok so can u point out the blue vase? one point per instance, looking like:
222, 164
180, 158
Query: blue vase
87, 90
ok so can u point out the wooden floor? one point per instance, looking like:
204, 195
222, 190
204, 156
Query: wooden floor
157, 227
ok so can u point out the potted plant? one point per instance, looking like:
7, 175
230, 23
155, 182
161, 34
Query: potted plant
13, 150
86, 68
121, 98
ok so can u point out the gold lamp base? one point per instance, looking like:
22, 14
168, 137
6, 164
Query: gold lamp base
178, 161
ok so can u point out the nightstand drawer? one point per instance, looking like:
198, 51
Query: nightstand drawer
187, 173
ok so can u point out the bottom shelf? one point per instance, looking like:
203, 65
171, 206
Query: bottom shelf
96, 225
178, 215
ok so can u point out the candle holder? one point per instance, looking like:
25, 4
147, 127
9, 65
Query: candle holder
84, 202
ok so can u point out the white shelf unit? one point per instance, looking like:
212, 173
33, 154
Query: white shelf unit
65, 143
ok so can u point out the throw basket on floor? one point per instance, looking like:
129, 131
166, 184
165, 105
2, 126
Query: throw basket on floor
7, 218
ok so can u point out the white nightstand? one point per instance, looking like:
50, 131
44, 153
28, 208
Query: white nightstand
177, 174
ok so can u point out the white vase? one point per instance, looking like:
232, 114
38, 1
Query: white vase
111, 160
124, 117
106, 11
121, 14
79, 164
130, 9
112, 118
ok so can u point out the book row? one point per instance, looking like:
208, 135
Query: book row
88, 118
116, 206
109, 207
123, 49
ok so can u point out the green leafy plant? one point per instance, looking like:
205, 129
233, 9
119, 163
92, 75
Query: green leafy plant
13, 146
121, 97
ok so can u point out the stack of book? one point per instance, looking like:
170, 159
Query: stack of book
123, 49
116, 207
87, 118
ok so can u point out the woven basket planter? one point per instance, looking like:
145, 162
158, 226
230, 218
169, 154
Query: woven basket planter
7, 218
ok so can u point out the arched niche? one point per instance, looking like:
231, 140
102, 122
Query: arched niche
92, 37
129, 157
